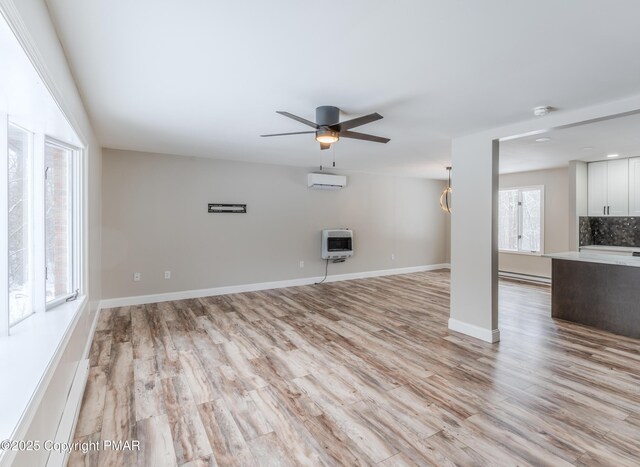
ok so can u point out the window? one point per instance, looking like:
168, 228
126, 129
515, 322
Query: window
59, 238
42, 229
20, 220
39, 220
41, 168
521, 220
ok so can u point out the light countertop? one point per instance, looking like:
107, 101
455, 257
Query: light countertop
593, 257
628, 249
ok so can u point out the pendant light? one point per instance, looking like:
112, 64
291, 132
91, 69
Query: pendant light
445, 197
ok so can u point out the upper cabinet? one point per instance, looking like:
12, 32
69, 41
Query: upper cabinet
634, 186
597, 188
608, 188
618, 187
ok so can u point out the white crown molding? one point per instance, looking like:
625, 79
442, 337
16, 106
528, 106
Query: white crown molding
182, 295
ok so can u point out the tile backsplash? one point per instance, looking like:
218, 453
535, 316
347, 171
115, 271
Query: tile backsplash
613, 231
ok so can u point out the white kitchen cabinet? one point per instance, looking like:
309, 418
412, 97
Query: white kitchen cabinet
608, 188
597, 188
618, 187
634, 186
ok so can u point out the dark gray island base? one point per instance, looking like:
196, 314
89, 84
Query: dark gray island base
599, 294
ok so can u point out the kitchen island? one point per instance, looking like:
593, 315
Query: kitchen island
597, 290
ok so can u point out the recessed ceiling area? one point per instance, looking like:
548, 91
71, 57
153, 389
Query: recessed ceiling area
205, 78
588, 142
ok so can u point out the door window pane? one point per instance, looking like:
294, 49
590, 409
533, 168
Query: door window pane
19, 162
58, 221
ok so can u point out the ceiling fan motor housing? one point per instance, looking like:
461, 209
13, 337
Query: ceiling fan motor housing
327, 115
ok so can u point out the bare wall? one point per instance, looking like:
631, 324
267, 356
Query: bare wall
556, 215
155, 219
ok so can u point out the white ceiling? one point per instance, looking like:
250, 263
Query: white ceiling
204, 78
588, 142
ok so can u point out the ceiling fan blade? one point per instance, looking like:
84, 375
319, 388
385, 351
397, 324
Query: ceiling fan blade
325, 145
295, 133
362, 136
299, 119
357, 122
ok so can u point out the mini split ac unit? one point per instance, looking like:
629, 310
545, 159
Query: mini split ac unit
326, 181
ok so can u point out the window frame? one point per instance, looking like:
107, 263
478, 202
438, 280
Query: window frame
38, 143
520, 189
31, 213
75, 212
4, 224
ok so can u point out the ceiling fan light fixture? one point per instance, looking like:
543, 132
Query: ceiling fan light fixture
327, 136
329, 129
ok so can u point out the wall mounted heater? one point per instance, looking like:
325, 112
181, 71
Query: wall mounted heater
337, 243
233, 208
326, 181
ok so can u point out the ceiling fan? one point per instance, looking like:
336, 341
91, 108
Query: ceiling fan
330, 129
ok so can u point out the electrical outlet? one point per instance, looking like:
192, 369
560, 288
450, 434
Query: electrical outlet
136, 276
393, 256
167, 274
301, 264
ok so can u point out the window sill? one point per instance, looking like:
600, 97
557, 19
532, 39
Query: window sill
25, 357
55, 303
525, 253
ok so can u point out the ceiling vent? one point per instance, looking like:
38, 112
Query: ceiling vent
326, 181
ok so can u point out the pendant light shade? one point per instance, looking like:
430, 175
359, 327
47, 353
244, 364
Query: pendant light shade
445, 197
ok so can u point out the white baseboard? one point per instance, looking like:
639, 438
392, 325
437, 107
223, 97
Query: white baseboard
92, 331
487, 335
524, 277
182, 295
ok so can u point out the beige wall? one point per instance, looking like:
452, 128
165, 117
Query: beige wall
556, 220
578, 205
155, 219
447, 236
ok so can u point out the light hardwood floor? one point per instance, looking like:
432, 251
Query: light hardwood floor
358, 373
